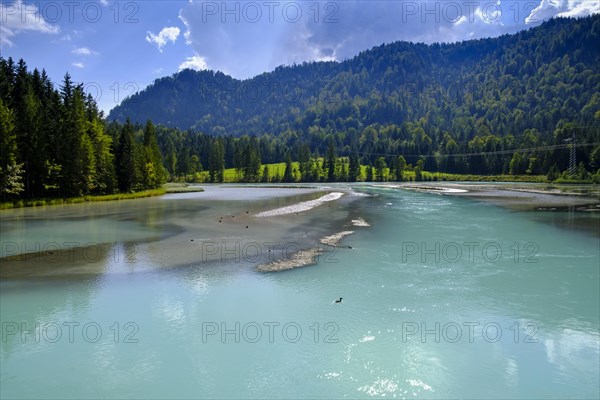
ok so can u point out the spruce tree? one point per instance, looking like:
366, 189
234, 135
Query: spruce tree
10, 172
288, 175
125, 164
330, 160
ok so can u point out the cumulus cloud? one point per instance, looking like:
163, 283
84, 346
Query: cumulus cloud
83, 51
563, 8
19, 17
246, 39
165, 35
78, 65
195, 62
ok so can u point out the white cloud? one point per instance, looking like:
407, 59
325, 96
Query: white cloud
104, 2
83, 51
196, 62
165, 35
78, 65
19, 17
562, 8
157, 70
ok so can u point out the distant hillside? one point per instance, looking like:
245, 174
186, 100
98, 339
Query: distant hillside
502, 85
490, 106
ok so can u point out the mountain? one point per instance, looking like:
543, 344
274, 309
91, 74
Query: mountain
510, 105
502, 84
498, 105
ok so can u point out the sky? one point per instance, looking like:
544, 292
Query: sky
116, 48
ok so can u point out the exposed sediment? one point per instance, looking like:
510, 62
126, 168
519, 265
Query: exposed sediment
334, 240
303, 206
305, 257
302, 258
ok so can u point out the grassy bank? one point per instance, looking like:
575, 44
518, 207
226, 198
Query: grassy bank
167, 188
82, 199
276, 171
177, 187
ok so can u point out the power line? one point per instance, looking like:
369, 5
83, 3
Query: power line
572, 154
486, 153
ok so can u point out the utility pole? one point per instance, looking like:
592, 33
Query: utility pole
572, 154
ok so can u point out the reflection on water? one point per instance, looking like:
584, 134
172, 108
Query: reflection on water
572, 220
443, 297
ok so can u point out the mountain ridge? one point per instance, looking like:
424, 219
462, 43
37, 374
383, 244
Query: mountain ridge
272, 102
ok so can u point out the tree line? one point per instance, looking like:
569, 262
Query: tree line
501, 105
508, 105
56, 143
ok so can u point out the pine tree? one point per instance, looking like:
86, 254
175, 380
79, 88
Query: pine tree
76, 176
125, 164
343, 170
400, 167
419, 171
369, 173
265, 174
251, 168
104, 160
27, 128
153, 156
217, 161
171, 158
10, 172
288, 175
354, 169
330, 160
380, 166
304, 162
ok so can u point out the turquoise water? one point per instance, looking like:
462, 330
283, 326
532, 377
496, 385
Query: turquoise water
443, 297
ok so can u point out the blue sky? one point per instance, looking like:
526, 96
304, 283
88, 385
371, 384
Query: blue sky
117, 48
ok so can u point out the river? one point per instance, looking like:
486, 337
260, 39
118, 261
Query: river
442, 297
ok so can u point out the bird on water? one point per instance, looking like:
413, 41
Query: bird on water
339, 301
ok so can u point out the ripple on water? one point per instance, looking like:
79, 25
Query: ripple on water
367, 339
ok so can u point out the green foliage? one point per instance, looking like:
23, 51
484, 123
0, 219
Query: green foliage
216, 161
419, 171
553, 174
488, 109
126, 168
369, 173
288, 175
154, 172
83, 199
400, 167
265, 175
463, 108
330, 162
354, 168
10, 172
381, 166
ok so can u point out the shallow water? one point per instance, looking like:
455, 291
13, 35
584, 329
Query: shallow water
443, 297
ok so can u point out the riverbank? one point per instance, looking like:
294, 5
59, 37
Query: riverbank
522, 197
167, 188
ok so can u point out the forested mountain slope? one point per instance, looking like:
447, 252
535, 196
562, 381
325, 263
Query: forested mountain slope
528, 90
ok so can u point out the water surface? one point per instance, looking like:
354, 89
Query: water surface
443, 297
